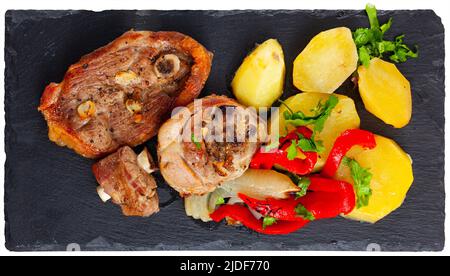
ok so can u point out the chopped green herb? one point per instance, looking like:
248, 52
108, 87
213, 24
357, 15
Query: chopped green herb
292, 150
220, 201
274, 144
196, 142
371, 43
361, 178
310, 145
268, 221
303, 183
304, 213
322, 112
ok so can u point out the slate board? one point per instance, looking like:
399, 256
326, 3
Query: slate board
50, 197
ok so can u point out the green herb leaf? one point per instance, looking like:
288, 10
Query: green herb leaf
325, 112
386, 26
292, 150
196, 142
309, 145
220, 201
303, 183
364, 55
268, 221
274, 144
322, 112
361, 178
304, 213
373, 18
370, 42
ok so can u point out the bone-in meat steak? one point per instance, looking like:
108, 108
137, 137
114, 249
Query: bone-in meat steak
121, 93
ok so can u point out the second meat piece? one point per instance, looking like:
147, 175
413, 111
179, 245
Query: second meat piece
208, 143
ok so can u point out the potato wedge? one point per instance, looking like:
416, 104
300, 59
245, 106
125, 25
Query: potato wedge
344, 116
386, 93
392, 176
326, 62
259, 80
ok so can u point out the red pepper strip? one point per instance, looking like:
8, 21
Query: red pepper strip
281, 209
266, 160
293, 135
348, 139
243, 215
328, 198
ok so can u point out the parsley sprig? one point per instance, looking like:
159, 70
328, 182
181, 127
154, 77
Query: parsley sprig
302, 182
310, 145
304, 213
194, 140
361, 178
370, 42
321, 114
268, 221
220, 201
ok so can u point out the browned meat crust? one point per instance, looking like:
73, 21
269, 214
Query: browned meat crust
194, 167
124, 91
128, 185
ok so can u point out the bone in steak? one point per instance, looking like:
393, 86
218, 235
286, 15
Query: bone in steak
121, 93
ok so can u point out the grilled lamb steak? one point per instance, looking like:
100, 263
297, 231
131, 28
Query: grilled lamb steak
196, 163
121, 93
126, 182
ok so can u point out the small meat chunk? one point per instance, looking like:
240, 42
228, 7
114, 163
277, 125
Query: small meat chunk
127, 183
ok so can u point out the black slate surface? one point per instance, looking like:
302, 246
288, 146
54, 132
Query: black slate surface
50, 198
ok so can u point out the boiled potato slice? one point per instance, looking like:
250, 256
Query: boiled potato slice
259, 80
326, 62
344, 116
392, 176
386, 93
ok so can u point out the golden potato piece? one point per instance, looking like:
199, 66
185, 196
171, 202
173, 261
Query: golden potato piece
386, 93
392, 176
259, 80
326, 62
344, 116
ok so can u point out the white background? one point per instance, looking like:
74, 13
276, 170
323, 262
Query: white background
441, 7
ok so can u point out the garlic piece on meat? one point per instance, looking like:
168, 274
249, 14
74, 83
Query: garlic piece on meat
167, 66
101, 193
126, 78
86, 109
133, 106
145, 162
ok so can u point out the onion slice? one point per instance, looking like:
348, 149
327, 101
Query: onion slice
261, 184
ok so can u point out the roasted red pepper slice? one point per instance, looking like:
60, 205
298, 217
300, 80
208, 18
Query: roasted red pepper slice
266, 160
242, 214
327, 198
348, 139
281, 209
